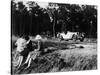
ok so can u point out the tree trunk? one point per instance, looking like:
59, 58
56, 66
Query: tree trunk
54, 27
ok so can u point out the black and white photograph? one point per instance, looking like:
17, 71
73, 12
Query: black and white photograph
48, 37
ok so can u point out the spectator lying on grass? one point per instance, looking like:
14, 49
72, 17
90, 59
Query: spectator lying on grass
33, 55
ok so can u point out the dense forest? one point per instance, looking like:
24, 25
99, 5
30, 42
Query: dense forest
30, 18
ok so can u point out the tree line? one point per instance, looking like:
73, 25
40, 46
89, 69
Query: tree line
32, 19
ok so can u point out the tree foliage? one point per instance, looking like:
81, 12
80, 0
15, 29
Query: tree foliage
32, 19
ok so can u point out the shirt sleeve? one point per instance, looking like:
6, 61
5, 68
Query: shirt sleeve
16, 43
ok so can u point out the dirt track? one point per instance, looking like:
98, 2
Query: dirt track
89, 49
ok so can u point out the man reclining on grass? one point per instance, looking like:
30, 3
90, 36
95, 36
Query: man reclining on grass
33, 55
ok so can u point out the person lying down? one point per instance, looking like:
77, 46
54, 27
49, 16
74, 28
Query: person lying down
32, 55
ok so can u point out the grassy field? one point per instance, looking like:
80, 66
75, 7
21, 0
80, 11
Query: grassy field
63, 56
